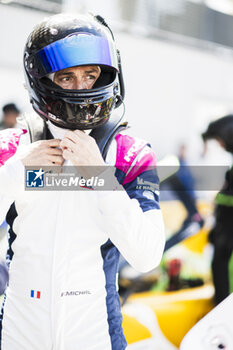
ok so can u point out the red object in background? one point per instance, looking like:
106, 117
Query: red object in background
173, 270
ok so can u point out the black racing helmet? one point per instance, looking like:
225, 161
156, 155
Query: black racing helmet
221, 129
64, 41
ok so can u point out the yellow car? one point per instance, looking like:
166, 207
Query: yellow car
154, 319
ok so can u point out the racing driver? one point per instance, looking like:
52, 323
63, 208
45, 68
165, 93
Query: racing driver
64, 246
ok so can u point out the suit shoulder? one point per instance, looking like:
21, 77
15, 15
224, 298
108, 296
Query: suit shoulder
9, 141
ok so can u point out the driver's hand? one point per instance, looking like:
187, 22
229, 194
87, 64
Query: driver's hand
42, 153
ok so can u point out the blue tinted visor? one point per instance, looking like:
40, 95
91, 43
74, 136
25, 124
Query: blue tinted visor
75, 50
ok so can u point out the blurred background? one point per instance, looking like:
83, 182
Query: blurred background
177, 58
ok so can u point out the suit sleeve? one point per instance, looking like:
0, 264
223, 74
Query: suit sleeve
133, 219
11, 168
11, 184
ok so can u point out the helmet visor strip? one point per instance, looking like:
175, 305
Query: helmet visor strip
74, 50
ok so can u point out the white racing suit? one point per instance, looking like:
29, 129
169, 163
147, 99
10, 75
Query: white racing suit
64, 250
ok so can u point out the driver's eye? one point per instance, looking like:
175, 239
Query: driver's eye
65, 79
91, 77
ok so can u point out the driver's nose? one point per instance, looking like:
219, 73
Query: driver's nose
79, 84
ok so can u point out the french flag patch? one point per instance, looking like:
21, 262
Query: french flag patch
35, 294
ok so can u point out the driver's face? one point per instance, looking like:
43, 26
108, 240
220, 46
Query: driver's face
77, 78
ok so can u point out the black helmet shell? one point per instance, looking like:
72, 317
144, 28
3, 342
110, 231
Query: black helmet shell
63, 41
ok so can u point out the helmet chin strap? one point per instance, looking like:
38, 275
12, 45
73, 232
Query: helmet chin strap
104, 134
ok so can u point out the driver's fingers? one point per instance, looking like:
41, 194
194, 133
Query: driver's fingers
55, 159
54, 151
